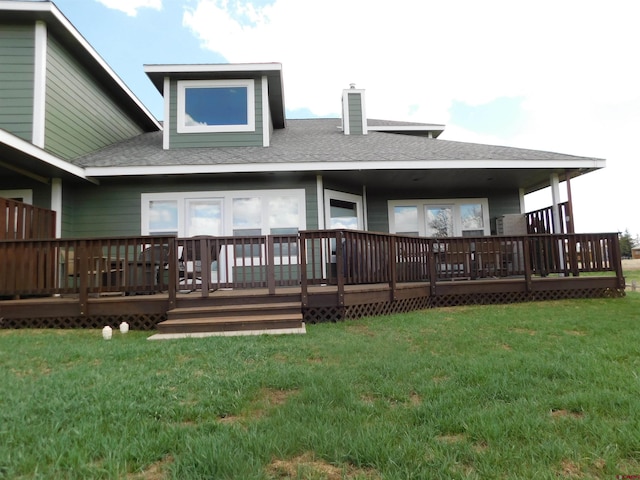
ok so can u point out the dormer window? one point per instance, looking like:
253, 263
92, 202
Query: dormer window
216, 106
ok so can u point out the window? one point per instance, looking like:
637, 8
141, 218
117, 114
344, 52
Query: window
440, 218
226, 213
438, 221
216, 106
406, 219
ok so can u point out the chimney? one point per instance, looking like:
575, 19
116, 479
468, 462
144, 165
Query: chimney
354, 118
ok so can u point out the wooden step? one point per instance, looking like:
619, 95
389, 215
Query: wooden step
232, 323
210, 311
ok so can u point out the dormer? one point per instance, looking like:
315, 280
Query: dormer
219, 105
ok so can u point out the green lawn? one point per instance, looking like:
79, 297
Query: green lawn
538, 390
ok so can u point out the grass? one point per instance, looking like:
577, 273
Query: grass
539, 390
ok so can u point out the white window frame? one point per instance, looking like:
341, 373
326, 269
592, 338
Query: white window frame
345, 197
454, 203
183, 85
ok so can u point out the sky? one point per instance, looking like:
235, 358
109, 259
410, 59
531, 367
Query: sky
553, 75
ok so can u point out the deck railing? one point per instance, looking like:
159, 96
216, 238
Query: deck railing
542, 221
19, 221
149, 264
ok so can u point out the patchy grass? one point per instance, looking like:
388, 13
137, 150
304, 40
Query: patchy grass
540, 390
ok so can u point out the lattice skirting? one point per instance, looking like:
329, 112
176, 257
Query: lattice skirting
517, 297
136, 322
351, 312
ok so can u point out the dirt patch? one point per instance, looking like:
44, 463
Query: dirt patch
575, 333
440, 379
155, 471
480, 447
307, 466
415, 400
267, 399
452, 438
361, 329
524, 330
506, 346
569, 469
561, 413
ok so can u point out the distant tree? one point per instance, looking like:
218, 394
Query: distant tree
627, 242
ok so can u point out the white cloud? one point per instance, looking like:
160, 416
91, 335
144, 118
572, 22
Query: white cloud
572, 62
131, 7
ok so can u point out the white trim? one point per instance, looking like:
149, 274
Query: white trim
521, 194
343, 166
26, 194
36, 152
554, 182
39, 84
183, 85
212, 67
266, 113
365, 208
406, 128
166, 130
454, 203
56, 203
320, 201
346, 129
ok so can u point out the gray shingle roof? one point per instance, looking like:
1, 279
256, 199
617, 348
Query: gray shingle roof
310, 141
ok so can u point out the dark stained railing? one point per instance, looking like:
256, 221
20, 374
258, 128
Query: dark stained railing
541, 221
149, 264
19, 221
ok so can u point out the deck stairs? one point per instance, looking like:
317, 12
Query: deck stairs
236, 315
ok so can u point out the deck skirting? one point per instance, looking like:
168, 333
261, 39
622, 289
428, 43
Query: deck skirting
144, 312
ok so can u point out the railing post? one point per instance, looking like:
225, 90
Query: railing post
431, 255
573, 254
270, 267
617, 259
527, 262
340, 266
173, 272
302, 262
393, 259
83, 264
205, 266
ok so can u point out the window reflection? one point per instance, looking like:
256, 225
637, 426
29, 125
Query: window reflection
406, 220
163, 216
247, 213
439, 221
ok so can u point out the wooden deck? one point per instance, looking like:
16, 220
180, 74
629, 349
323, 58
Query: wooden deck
258, 309
281, 281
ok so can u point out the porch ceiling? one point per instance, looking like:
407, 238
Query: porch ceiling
443, 180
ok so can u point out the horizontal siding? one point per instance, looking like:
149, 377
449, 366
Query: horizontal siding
80, 116
17, 53
112, 209
232, 139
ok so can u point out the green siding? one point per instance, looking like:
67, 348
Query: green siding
231, 139
41, 192
80, 116
113, 209
17, 54
355, 113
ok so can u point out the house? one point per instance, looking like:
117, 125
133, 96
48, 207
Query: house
226, 162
